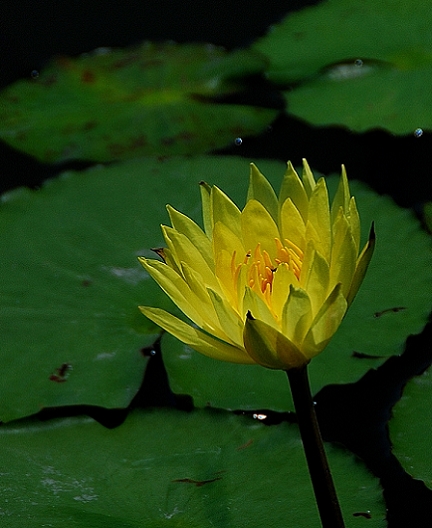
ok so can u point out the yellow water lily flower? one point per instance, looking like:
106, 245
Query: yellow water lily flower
269, 284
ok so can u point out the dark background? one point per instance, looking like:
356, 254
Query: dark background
32, 32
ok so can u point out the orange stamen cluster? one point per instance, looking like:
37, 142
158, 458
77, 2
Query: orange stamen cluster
261, 268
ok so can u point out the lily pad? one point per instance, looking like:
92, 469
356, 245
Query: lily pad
166, 468
71, 331
411, 428
382, 316
364, 66
155, 99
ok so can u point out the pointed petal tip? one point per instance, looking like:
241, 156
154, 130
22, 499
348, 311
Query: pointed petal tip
204, 185
372, 235
143, 309
160, 252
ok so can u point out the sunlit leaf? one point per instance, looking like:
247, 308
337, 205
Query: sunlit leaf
363, 65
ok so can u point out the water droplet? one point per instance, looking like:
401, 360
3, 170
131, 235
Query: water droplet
238, 141
34, 74
358, 62
259, 416
418, 132
148, 352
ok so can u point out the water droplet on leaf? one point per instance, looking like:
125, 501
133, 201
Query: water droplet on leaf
238, 141
418, 132
34, 74
358, 62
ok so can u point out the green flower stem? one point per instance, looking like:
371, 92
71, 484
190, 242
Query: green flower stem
325, 492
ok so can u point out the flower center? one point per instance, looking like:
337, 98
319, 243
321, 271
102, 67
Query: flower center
261, 268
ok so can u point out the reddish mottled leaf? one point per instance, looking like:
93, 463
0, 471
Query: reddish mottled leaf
155, 99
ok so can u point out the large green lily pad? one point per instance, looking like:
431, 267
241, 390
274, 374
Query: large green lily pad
71, 331
411, 428
363, 65
154, 99
167, 468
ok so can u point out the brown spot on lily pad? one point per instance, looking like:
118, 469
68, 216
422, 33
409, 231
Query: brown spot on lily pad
197, 483
88, 76
396, 309
60, 374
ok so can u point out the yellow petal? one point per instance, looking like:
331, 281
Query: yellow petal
325, 323
229, 320
183, 250
195, 338
319, 217
169, 259
341, 198
308, 179
297, 315
226, 239
194, 280
315, 277
354, 221
283, 278
269, 347
206, 208
362, 265
291, 223
292, 188
176, 288
225, 244
344, 254
225, 210
210, 317
261, 190
254, 304
258, 226
225, 278
313, 237
183, 224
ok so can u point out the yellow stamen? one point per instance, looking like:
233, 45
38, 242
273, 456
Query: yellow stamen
261, 268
